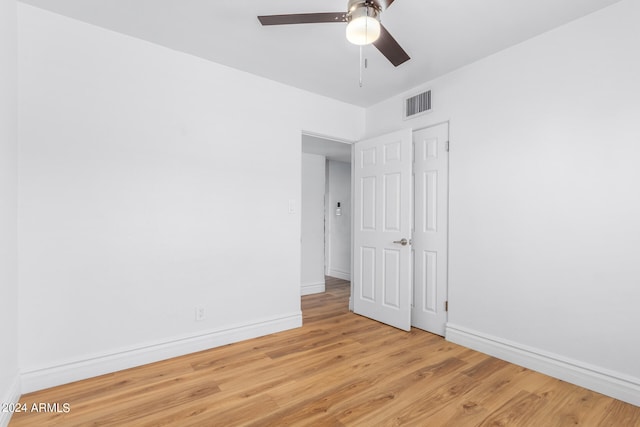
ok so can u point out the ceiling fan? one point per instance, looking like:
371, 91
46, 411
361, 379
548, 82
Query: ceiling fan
363, 26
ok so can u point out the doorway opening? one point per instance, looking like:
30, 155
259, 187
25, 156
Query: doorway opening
395, 196
325, 212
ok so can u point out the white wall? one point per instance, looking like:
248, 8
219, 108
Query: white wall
544, 199
338, 227
149, 187
9, 386
313, 187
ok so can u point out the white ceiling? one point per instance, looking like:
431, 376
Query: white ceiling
439, 35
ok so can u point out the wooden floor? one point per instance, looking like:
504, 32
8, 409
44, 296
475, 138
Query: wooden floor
339, 369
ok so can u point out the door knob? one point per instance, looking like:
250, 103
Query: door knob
402, 242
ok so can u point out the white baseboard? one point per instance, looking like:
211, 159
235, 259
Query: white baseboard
11, 395
339, 274
312, 288
614, 384
96, 365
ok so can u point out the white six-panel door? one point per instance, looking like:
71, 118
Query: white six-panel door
382, 219
429, 249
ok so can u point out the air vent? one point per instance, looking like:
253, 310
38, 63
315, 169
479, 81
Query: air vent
417, 105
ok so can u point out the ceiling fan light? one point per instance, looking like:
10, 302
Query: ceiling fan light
363, 30
363, 27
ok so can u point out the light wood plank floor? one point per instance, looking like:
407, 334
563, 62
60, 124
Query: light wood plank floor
339, 369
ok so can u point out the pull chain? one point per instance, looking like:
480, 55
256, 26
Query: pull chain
361, 63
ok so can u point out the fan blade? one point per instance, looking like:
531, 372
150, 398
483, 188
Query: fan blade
302, 18
390, 48
383, 4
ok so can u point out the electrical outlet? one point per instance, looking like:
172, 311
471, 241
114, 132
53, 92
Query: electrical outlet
199, 314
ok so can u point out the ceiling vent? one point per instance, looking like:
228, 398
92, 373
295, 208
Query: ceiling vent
417, 105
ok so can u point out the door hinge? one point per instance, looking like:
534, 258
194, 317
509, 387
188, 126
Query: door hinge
446, 145
446, 306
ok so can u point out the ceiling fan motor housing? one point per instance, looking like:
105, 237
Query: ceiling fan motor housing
358, 8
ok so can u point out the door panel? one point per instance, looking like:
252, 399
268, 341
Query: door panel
368, 275
368, 203
430, 169
382, 215
391, 212
391, 284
